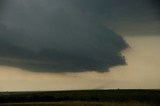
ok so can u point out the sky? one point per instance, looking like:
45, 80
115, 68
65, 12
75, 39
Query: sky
79, 44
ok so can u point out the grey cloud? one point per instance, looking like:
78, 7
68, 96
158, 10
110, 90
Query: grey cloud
129, 17
57, 36
134, 17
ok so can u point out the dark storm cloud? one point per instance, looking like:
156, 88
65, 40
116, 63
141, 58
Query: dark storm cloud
1, 5
58, 36
156, 4
132, 17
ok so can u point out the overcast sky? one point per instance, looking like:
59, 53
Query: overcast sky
79, 44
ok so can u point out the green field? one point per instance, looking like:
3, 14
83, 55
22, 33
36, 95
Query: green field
82, 98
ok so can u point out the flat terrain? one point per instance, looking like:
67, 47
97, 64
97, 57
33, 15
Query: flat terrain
81, 104
82, 98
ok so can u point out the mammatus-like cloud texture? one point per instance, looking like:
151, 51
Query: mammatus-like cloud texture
57, 36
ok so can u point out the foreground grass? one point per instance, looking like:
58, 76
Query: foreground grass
82, 98
81, 104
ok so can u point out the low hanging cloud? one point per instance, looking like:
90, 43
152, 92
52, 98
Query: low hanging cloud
57, 36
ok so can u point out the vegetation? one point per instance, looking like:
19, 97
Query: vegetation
81, 104
83, 96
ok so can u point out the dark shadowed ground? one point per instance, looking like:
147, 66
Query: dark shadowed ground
124, 97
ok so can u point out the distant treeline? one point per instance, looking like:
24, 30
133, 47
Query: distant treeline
82, 95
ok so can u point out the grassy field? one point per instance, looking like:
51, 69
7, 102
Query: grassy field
82, 98
81, 104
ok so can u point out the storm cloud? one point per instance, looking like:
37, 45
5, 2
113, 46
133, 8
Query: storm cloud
58, 36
